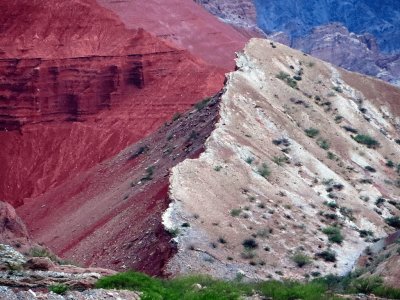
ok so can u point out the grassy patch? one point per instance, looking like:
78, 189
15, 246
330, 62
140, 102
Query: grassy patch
199, 287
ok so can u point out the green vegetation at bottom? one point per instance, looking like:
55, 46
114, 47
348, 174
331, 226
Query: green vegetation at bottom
204, 287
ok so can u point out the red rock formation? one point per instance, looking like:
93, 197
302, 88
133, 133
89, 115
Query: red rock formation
184, 23
110, 216
131, 80
12, 229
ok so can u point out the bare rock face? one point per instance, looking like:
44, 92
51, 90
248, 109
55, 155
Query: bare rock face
12, 229
240, 13
287, 185
9, 294
360, 53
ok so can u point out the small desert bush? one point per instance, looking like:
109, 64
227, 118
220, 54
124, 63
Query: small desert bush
311, 132
301, 259
393, 221
366, 140
334, 234
264, 170
59, 289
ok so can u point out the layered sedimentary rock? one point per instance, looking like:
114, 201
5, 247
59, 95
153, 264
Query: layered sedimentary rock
238, 12
287, 172
77, 87
185, 24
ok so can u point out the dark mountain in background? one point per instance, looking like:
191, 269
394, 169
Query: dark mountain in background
361, 36
298, 17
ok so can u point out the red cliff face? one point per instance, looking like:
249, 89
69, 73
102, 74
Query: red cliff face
77, 87
110, 215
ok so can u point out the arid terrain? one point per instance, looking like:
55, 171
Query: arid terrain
283, 165
153, 136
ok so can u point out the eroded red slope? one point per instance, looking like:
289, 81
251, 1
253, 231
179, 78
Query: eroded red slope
106, 88
110, 216
184, 23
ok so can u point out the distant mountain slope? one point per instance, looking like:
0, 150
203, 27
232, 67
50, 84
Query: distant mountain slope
334, 33
297, 18
301, 174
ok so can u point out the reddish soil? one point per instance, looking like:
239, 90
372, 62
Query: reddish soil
110, 216
186, 24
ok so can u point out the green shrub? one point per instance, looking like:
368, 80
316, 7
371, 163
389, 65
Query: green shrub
264, 170
149, 174
301, 259
250, 244
311, 132
324, 144
250, 160
217, 168
202, 104
334, 234
327, 255
337, 89
59, 289
366, 285
280, 160
390, 164
331, 155
393, 221
43, 252
282, 75
286, 77
366, 140
236, 212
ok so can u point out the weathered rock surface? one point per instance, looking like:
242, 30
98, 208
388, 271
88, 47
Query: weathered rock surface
335, 44
12, 229
98, 294
240, 13
262, 179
